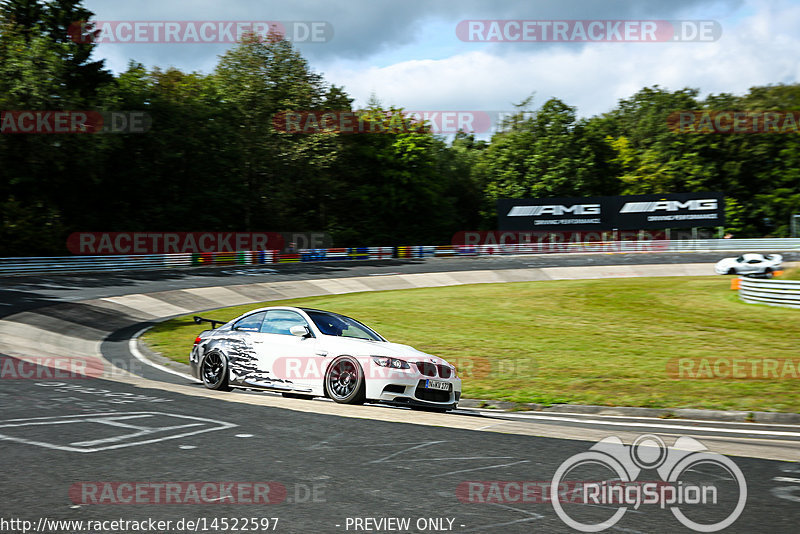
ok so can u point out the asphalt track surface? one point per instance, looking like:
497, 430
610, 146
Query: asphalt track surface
335, 470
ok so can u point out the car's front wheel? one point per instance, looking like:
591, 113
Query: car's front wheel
731, 271
214, 371
344, 381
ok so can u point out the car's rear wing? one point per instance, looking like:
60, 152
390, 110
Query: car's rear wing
200, 320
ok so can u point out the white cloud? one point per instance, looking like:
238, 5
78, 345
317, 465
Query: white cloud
759, 49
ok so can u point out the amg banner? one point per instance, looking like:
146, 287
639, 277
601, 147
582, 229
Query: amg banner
633, 212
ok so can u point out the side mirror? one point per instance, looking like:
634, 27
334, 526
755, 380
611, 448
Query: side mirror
299, 330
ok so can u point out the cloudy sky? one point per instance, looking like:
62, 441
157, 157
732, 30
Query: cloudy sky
409, 55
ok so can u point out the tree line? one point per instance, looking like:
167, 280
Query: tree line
214, 160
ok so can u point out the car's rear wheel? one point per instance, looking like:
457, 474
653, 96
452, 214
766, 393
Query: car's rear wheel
214, 371
344, 381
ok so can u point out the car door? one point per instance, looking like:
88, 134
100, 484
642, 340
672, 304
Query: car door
754, 265
286, 356
243, 340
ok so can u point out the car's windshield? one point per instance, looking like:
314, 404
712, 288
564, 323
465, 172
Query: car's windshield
333, 324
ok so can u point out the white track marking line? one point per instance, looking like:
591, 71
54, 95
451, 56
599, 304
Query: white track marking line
103, 419
142, 358
637, 417
648, 425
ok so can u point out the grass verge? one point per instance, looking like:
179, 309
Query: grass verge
607, 342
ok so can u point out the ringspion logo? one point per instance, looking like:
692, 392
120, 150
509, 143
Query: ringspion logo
704, 490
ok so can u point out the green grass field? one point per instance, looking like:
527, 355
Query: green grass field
606, 342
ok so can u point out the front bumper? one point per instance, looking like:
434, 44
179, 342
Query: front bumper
411, 391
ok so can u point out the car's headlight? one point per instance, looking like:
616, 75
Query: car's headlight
394, 363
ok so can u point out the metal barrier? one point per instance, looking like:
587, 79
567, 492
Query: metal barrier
734, 244
69, 264
784, 293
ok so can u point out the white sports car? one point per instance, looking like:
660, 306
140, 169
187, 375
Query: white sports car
750, 263
303, 352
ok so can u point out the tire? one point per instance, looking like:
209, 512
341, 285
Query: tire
731, 271
768, 272
214, 371
344, 381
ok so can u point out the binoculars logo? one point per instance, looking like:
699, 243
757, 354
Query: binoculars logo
675, 465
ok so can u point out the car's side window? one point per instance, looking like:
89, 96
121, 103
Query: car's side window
251, 323
280, 321
754, 261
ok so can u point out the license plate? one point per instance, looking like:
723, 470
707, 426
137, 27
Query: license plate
437, 384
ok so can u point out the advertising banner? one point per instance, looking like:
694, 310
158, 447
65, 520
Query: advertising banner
632, 212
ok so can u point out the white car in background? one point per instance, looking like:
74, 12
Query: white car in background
302, 352
751, 263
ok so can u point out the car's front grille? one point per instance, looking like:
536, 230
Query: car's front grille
430, 395
427, 369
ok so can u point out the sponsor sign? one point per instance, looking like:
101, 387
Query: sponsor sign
634, 212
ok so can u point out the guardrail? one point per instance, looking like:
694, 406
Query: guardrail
784, 293
74, 264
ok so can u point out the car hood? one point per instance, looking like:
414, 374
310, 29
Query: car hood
362, 347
